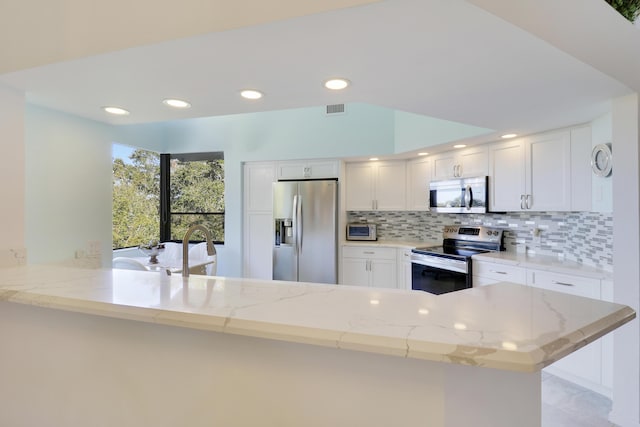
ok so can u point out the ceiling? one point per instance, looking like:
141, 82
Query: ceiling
448, 59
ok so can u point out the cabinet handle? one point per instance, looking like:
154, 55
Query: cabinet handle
498, 272
555, 282
368, 252
522, 202
528, 201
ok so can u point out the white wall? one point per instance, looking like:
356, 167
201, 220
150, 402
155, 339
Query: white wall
277, 135
602, 187
12, 172
68, 186
626, 256
68, 167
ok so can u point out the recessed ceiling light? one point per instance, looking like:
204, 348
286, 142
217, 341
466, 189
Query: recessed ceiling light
423, 154
336, 84
460, 326
459, 146
116, 110
373, 159
251, 94
176, 103
509, 135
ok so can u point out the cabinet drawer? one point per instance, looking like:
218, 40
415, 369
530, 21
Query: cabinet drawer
499, 272
369, 252
565, 283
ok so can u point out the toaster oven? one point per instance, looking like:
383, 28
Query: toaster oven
356, 231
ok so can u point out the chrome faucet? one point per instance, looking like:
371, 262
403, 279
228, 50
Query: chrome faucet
211, 250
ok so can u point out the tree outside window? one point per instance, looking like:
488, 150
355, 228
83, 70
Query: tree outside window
136, 196
186, 188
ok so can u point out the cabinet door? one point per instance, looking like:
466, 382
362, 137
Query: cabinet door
548, 162
418, 178
258, 178
473, 161
403, 267
382, 273
292, 170
359, 186
257, 226
258, 246
581, 185
319, 169
507, 182
355, 271
444, 166
308, 169
496, 272
390, 186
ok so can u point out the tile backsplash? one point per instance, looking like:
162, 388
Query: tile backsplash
585, 237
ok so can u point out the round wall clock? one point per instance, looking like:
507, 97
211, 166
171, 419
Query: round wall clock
602, 159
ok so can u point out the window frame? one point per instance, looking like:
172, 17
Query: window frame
165, 191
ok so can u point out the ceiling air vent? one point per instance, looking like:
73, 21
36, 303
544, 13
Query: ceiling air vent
335, 109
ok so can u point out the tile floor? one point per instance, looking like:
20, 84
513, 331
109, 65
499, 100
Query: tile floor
565, 404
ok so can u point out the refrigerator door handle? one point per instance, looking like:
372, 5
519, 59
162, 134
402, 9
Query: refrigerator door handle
294, 218
300, 233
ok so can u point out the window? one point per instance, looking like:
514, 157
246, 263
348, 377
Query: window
136, 196
192, 192
186, 188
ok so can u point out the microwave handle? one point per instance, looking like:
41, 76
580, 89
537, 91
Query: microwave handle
468, 197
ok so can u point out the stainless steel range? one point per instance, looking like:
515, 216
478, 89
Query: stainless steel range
448, 268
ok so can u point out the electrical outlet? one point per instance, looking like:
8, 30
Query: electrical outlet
95, 248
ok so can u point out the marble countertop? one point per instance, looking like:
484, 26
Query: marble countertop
393, 243
545, 262
502, 326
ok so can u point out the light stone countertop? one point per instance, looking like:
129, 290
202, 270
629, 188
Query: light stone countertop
546, 263
504, 326
393, 243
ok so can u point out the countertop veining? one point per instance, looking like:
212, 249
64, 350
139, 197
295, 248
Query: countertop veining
503, 326
545, 262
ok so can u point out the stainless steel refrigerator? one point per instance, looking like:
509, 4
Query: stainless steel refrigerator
305, 237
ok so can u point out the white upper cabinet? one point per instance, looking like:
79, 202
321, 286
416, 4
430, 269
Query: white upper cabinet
308, 169
375, 186
418, 178
581, 175
549, 177
532, 173
463, 163
507, 182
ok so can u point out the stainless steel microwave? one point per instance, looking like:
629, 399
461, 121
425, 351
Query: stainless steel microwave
461, 195
357, 231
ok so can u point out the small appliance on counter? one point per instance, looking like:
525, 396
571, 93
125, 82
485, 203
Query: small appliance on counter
360, 231
447, 268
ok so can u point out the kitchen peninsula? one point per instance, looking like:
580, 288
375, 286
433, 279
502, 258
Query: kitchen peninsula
128, 348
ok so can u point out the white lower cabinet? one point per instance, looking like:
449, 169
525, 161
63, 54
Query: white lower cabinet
404, 268
369, 266
583, 366
592, 365
487, 273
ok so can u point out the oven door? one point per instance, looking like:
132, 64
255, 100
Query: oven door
438, 279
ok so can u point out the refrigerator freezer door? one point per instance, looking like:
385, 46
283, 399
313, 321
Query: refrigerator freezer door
285, 262
318, 239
